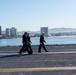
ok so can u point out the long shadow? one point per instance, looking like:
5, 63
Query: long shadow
13, 55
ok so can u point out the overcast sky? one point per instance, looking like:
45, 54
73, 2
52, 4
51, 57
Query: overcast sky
32, 14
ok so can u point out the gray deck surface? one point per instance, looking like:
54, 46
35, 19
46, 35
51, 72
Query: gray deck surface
59, 56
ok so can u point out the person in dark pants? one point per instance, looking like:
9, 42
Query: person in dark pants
25, 43
42, 43
29, 43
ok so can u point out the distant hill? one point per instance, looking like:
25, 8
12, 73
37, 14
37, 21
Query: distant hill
52, 30
57, 30
22, 32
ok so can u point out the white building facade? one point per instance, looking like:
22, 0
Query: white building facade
7, 32
44, 30
13, 32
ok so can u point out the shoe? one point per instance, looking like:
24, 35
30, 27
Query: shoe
19, 52
39, 52
30, 52
47, 51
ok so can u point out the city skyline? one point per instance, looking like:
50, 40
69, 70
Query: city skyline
30, 15
12, 32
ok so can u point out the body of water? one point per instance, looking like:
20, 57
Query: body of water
35, 40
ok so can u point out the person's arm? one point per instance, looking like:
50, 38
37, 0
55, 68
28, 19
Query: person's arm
43, 39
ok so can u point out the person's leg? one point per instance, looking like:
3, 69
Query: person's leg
39, 50
31, 51
22, 49
27, 49
44, 47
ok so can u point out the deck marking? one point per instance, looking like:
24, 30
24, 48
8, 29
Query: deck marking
37, 69
65, 52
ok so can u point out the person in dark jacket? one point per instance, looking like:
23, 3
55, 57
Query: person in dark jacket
42, 43
29, 43
25, 43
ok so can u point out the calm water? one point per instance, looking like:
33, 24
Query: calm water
35, 40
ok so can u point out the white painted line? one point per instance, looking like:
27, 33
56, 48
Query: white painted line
67, 52
37, 69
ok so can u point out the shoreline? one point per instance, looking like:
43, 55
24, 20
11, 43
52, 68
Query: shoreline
45, 45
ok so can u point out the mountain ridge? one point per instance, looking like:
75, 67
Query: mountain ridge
55, 30
51, 30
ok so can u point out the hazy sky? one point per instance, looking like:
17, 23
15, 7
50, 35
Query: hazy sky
33, 14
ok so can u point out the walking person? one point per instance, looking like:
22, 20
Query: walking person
25, 43
29, 43
42, 43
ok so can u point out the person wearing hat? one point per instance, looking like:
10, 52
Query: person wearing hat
42, 43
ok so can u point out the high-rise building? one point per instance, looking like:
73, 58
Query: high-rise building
7, 32
0, 30
44, 30
13, 32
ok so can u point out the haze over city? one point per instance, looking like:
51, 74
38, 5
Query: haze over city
32, 14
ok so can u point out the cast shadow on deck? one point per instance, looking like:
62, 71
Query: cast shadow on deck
13, 55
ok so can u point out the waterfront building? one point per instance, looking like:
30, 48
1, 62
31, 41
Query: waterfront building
44, 30
13, 32
0, 30
7, 32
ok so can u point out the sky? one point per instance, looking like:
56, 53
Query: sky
30, 15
